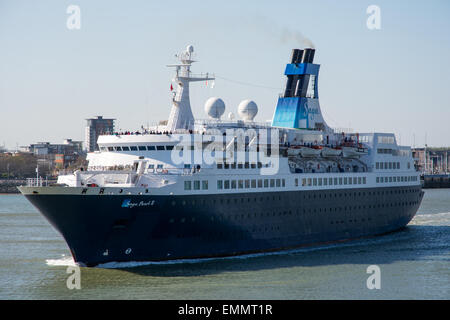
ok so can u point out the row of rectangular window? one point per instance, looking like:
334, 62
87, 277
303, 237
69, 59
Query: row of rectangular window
253, 183
396, 179
152, 166
136, 148
386, 139
308, 182
387, 165
245, 165
394, 152
195, 185
384, 151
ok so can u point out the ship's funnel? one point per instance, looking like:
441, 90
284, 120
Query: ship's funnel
296, 55
299, 106
302, 56
308, 55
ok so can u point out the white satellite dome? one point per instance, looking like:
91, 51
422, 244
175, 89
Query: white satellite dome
215, 107
231, 116
247, 110
190, 48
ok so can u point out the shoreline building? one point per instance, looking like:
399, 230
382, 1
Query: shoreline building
431, 160
68, 147
55, 155
94, 128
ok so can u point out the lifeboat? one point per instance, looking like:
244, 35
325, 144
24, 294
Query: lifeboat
293, 151
331, 152
313, 151
354, 152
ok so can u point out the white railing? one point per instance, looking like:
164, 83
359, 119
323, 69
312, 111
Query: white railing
37, 182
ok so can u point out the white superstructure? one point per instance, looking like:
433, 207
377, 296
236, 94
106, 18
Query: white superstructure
215, 156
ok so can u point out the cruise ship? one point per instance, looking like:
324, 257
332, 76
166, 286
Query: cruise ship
201, 188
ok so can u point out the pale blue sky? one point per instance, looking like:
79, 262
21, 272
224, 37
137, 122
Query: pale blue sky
395, 79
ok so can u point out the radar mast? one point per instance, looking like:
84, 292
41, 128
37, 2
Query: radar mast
181, 116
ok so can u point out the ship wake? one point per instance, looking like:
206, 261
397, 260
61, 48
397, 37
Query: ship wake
66, 261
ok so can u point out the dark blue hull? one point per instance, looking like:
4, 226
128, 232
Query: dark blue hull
106, 228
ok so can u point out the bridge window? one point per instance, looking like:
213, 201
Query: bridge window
386, 139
